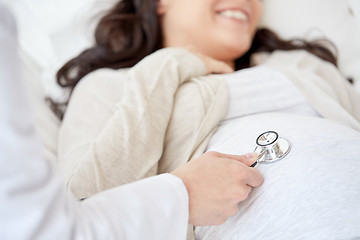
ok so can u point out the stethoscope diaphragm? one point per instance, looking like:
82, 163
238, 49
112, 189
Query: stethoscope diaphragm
271, 148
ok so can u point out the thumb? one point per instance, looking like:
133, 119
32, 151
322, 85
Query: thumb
247, 159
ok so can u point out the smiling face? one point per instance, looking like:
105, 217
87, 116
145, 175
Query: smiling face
222, 29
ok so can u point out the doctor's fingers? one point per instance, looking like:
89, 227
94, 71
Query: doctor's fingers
230, 211
240, 193
247, 159
233, 206
246, 175
254, 177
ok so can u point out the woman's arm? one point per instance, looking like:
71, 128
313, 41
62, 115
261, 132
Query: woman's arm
101, 135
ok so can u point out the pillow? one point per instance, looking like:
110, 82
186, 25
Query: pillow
46, 123
53, 31
355, 9
311, 19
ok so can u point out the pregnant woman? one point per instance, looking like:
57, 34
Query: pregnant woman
147, 92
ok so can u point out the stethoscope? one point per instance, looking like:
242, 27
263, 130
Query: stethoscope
271, 148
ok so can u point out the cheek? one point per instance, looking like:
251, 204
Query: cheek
194, 25
257, 9
187, 18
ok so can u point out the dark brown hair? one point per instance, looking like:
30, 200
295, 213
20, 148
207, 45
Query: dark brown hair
131, 30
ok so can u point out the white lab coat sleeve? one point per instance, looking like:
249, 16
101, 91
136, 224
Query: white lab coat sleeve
33, 201
152, 208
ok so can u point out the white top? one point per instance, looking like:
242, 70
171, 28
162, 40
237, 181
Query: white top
261, 89
33, 201
313, 193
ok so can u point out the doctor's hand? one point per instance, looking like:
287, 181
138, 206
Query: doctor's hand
216, 183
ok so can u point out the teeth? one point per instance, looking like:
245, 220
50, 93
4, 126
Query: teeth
234, 14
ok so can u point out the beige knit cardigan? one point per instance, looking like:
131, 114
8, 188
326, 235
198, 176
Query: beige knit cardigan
124, 125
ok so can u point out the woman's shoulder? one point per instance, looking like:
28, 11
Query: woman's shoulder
102, 83
102, 78
298, 57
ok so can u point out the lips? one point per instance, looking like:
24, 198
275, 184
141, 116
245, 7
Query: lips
234, 14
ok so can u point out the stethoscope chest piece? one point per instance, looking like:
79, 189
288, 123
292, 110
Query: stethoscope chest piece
271, 147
